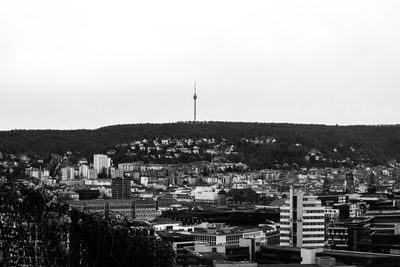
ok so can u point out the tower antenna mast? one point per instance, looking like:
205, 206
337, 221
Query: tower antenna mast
195, 100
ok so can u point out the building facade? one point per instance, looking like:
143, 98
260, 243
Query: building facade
120, 188
101, 163
302, 221
67, 173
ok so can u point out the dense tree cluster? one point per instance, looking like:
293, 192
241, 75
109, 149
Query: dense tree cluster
34, 226
100, 241
37, 230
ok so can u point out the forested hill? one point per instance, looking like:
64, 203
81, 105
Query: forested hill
375, 144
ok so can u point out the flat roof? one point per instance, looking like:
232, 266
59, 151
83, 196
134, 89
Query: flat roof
358, 254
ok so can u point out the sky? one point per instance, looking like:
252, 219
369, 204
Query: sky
87, 64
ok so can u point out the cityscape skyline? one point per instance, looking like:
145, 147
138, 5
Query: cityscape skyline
289, 155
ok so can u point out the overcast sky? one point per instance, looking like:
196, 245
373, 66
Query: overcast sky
87, 64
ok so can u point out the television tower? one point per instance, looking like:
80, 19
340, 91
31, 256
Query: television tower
194, 100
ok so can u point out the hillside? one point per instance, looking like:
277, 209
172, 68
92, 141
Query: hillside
370, 144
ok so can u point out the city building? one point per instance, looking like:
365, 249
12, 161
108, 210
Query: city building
83, 171
205, 194
220, 234
134, 209
116, 173
101, 163
350, 183
144, 210
37, 173
347, 234
302, 221
67, 173
92, 174
120, 188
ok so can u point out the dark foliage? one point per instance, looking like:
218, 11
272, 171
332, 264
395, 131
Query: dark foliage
37, 230
97, 241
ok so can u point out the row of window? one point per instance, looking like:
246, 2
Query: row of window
304, 223
305, 236
312, 229
318, 235
312, 241
313, 217
312, 223
314, 211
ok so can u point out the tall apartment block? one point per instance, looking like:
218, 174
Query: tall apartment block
302, 221
101, 163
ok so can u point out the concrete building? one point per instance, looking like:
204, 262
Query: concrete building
84, 171
219, 234
346, 235
37, 173
101, 163
92, 174
302, 221
144, 210
116, 173
205, 194
120, 188
67, 173
134, 209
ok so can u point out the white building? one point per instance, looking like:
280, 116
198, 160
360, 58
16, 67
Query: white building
84, 171
219, 234
101, 163
37, 173
205, 194
67, 173
302, 221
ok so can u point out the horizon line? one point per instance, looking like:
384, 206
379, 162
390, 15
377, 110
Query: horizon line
198, 122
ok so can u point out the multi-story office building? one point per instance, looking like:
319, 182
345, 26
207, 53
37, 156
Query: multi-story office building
67, 173
37, 173
302, 221
220, 234
130, 167
101, 163
346, 235
140, 210
144, 210
120, 188
331, 214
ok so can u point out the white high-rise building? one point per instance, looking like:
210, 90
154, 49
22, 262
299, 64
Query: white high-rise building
84, 171
67, 173
101, 163
302, 221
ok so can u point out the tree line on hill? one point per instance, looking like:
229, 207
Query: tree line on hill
374, 145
